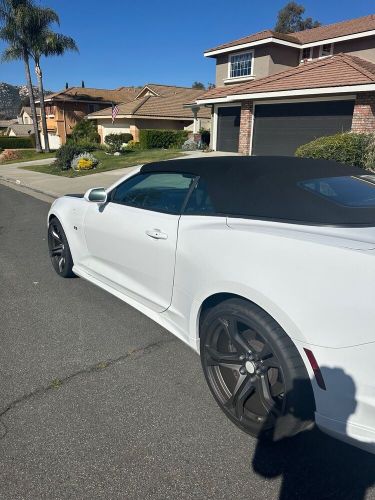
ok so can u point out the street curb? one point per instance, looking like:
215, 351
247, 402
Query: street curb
14, 184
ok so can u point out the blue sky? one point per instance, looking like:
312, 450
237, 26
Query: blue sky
132, 43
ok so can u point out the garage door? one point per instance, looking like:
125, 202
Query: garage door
280, 128
228, 128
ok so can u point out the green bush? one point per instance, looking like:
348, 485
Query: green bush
85, 131
115, 141
346, 147
16, 142
85, 144
65, 155
132, 146
150, 138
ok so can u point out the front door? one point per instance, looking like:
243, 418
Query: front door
132, 240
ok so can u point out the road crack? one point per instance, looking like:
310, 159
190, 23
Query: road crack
56, 383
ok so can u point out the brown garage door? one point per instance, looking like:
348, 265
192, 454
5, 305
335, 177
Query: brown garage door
228, 128
280, 128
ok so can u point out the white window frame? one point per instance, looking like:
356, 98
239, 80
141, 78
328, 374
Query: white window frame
244, 77
310, 55
321, 50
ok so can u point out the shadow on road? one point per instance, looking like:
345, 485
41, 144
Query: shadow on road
315, 466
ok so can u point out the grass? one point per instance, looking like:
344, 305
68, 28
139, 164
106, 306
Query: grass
29, 155
109, 162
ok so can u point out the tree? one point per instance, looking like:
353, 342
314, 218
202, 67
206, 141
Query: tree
85, 131
210, 85
290, 20
198, 86
45, 42
14, 19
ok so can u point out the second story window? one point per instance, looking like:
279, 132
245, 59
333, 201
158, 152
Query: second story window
241, 65
326, 50
306, 54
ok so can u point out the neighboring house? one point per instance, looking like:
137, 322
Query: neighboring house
5, 124
275, 92
64, 109
154, 107
24, 117
19, 130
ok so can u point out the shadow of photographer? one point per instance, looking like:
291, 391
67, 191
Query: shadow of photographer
313, 465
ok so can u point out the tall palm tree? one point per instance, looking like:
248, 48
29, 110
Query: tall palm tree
15, 20
47, 43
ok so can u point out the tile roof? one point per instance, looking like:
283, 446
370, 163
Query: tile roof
334, 71
319, 34
21, 130
122, 94
261, 35
334, 30
168, 104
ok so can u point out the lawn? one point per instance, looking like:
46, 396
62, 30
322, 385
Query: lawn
29, 155
109, 162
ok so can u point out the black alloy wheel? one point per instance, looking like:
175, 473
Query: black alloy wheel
59, 250
255, 372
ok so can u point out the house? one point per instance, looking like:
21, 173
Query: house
19, 130
64, 109
25, 117
154, 107
5, 124
275, 92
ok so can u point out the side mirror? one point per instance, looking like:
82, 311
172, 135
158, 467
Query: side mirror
96, 195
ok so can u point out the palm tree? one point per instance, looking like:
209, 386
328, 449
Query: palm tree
15, 17
47, 43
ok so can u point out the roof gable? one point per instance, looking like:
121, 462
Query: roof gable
334, 71
314, 35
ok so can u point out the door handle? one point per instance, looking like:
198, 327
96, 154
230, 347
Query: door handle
156, 234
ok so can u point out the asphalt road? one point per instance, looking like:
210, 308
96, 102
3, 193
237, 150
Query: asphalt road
97, 401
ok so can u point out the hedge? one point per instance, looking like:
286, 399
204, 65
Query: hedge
347, 147
150, 138
16, 142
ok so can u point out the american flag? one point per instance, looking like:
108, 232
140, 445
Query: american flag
115, 110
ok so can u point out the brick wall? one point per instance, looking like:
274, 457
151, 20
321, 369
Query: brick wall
364, 113
245, 127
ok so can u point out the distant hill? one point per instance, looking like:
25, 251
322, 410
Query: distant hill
12, 98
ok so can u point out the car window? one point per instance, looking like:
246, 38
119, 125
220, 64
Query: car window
161, 192
199, 202
349, 191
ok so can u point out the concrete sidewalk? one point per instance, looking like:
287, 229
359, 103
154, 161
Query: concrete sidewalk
53, 186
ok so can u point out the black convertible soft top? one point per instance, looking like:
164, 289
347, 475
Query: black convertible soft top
280, 188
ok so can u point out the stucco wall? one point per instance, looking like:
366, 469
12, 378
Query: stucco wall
268, 59
105, 127
362, 47
282, 58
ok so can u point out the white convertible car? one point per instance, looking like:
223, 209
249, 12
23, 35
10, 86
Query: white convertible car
266, 266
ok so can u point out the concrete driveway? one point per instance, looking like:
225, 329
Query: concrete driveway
97, 401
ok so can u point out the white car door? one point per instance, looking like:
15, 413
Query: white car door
132, 239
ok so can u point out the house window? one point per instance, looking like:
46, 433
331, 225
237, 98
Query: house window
241, 65
326, 50
306, 54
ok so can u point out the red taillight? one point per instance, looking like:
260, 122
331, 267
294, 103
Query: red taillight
314, 365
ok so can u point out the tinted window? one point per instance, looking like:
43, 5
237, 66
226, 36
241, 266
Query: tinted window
350, 191
199, 201
161, 192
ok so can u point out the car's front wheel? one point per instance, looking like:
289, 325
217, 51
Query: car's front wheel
59, 250
255, 371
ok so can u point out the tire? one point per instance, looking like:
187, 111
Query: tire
255, 372
59, 250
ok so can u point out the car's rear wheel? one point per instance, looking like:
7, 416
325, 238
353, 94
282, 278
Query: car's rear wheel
59, 250
255, 371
